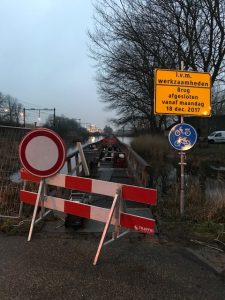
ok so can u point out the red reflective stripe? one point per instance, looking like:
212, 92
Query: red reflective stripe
137, 223
139, 194
78, 183
28, 197
77, 209
29, 177
129, 192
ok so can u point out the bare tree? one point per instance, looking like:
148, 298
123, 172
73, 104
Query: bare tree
10, 109
133, 37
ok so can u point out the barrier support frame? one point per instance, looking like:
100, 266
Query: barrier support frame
120, 207
40, 197
117, 207
116, 215
111, 212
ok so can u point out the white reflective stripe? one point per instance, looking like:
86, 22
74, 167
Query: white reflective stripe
105, 187
54, 203
57, 180
100, 214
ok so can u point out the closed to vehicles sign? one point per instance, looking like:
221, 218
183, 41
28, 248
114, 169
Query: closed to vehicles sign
182, 93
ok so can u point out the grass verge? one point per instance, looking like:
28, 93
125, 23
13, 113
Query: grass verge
204, 215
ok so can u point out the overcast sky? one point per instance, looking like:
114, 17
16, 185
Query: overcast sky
44, 57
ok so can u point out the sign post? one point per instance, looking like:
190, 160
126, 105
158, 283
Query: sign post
182, 137
184, 93
42, 153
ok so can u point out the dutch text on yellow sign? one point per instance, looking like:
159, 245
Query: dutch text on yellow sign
182, 93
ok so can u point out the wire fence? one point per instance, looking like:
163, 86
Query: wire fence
10, 182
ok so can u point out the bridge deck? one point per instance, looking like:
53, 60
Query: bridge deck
105, 172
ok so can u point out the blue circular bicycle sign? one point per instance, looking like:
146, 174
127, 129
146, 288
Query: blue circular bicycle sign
182, 136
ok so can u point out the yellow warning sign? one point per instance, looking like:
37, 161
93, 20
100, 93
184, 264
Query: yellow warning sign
182, 93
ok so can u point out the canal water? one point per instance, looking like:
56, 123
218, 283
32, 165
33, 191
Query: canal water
91, 140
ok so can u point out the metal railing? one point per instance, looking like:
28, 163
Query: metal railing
138, 168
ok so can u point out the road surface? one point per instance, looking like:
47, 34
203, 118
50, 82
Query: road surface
58, 265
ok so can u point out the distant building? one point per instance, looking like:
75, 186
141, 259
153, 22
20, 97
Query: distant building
92, 128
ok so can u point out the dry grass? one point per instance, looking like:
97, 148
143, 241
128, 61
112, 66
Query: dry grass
199, 207
152, 147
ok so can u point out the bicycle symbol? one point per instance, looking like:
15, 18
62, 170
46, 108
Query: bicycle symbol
182, 136
182, 141
180, 131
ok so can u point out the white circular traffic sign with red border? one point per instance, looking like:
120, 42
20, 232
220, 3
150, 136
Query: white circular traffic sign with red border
42, 152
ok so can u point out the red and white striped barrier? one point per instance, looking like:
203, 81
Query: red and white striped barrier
87, 211
114, 215
129, 192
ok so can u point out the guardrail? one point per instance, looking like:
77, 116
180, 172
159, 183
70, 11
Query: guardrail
137, 166
74, 165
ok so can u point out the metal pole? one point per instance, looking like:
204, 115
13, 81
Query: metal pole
182, 163
54, 117
24, 118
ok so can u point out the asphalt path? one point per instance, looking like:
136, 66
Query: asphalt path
59, 266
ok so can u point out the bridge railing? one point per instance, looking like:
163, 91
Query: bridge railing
74, 163
138, 168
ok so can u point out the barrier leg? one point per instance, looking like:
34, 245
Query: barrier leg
21, 203
42, 211
105, 229
116, 231
120, 207
35, 209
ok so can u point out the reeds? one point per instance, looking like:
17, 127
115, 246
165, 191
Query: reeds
201, 205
